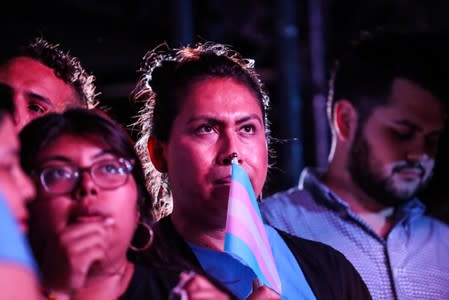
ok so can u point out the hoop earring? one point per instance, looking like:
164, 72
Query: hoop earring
148, 243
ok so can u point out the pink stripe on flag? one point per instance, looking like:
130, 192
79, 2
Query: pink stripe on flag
262, 257
244, 222
243, 209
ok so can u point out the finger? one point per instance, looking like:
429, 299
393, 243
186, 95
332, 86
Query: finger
76, 231
264, 293
199, 288
197, 282
256, 284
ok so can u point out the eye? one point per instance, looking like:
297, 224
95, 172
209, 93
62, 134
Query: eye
248, 129
37, 108
110, 168
204, 129
56, 174
402, 135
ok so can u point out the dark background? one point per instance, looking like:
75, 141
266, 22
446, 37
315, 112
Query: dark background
293, 42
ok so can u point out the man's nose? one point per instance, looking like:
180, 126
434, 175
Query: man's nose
229, 148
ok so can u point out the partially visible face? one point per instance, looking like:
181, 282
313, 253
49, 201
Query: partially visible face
218, 117
87, 202
15, 186
36, 89
393, 153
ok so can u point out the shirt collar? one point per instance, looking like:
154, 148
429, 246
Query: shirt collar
310, 180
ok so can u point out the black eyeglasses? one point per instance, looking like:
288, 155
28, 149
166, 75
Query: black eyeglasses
107, 174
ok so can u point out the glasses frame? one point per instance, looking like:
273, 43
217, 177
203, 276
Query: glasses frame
128, 164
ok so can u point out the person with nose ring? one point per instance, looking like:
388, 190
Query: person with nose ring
205, 105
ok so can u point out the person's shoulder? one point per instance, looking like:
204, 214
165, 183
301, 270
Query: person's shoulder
326, 267
315, 253
288, 197
430, 225
309, 246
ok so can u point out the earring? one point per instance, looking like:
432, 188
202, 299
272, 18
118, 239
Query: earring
149, 232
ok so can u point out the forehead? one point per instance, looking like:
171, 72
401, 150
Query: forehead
220, 96
29, 76
71, 146
410, 102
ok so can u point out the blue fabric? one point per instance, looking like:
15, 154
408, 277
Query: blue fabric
238, 278
415, 252
14, 247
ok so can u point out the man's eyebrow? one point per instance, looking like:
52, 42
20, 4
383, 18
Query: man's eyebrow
407, 123
415, 127
249, 118
40, 98
207, 118
211, 119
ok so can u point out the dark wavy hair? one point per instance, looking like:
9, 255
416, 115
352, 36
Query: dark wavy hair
364, 74
90, 124
66, 67
165, 76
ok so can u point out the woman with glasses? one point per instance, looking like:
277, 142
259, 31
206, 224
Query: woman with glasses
91, 209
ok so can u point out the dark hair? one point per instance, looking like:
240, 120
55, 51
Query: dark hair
364, 75
90, 124
67, 67
166, 75
6, 102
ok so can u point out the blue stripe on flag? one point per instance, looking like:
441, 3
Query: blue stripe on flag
245, 255
239, 174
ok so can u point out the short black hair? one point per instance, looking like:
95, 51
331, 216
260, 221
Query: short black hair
65, 66
365, 73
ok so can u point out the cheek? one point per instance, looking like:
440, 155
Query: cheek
8, 190
258, 161
123, 205
184, 157
49, 215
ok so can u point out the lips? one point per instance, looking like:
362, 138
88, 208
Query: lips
411, 172
87, 216
223, 181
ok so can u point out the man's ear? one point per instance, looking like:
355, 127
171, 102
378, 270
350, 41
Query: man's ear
345, 119
157, 155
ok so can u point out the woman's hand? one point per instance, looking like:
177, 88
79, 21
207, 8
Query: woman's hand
192, 286
70, 256
262, 292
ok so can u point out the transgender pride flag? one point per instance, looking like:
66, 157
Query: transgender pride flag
245, 233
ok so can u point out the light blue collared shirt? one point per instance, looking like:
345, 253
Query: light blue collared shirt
411, 263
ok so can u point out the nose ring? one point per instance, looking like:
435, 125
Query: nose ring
234, 155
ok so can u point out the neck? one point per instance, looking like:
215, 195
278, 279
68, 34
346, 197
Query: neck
376, 215
105, 284
205, 234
